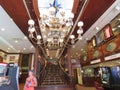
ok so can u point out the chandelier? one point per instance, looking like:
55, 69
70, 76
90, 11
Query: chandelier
55, 26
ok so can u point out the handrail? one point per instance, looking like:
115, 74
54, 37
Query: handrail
43, 67
42, 72
62, 68
65, 75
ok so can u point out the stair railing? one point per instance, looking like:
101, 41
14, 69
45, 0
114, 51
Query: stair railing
64, 74
41, 75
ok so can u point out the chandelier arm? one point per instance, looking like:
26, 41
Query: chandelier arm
36, 39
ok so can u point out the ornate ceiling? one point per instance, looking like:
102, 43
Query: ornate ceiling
22, 10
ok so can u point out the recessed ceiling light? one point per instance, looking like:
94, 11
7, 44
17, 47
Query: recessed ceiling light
8, 48
24, 48
18, 50
118, 26
76, 53
86, 38
11, 19
31, 47
11, 46
2, 29
113, 29
117, 8
25, 37
97, 28
16, 41
81, 49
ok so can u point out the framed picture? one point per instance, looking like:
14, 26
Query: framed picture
12, 58
107, 31
94, 41
100, 37
104, 34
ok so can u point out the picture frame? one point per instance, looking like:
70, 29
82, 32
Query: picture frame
12, 58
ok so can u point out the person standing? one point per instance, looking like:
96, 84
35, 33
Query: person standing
31, 81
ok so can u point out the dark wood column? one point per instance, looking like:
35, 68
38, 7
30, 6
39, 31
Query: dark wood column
36, 59
69, 64
30, 61
20, 59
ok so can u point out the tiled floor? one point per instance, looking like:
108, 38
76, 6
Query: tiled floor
21, 86
78, 87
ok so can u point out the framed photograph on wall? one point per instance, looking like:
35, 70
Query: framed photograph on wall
104, 34
12, 58
100, 37
93, 41
107, 31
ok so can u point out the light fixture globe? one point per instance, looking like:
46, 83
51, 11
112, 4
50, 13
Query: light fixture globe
80, 24
72, 36
61, 40
31, 22
80, 31
31, 30
52, 10
62, 12
71, 15
38, 37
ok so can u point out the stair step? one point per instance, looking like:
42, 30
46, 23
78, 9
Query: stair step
52, 77
54, 87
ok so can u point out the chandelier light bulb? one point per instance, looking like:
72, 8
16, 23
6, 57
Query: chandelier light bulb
44, 36
38, 37
49, 40
31, 30
52, 10
31, 22
38, 42
62, 12
61, 40
72, 36
80, 38
71, 15
80, 24
72, 42
79, 31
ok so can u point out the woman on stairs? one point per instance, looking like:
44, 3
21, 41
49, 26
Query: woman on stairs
31, 81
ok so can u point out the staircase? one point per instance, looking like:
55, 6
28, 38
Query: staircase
52, 76
53, 81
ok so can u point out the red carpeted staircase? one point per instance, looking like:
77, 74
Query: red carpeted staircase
53, 76
53, 80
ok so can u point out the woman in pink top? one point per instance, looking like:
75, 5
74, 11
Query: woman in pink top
31, 81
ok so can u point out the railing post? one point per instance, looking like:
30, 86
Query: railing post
69, 65
36, 59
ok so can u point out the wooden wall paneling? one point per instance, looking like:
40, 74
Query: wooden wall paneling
118, 42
